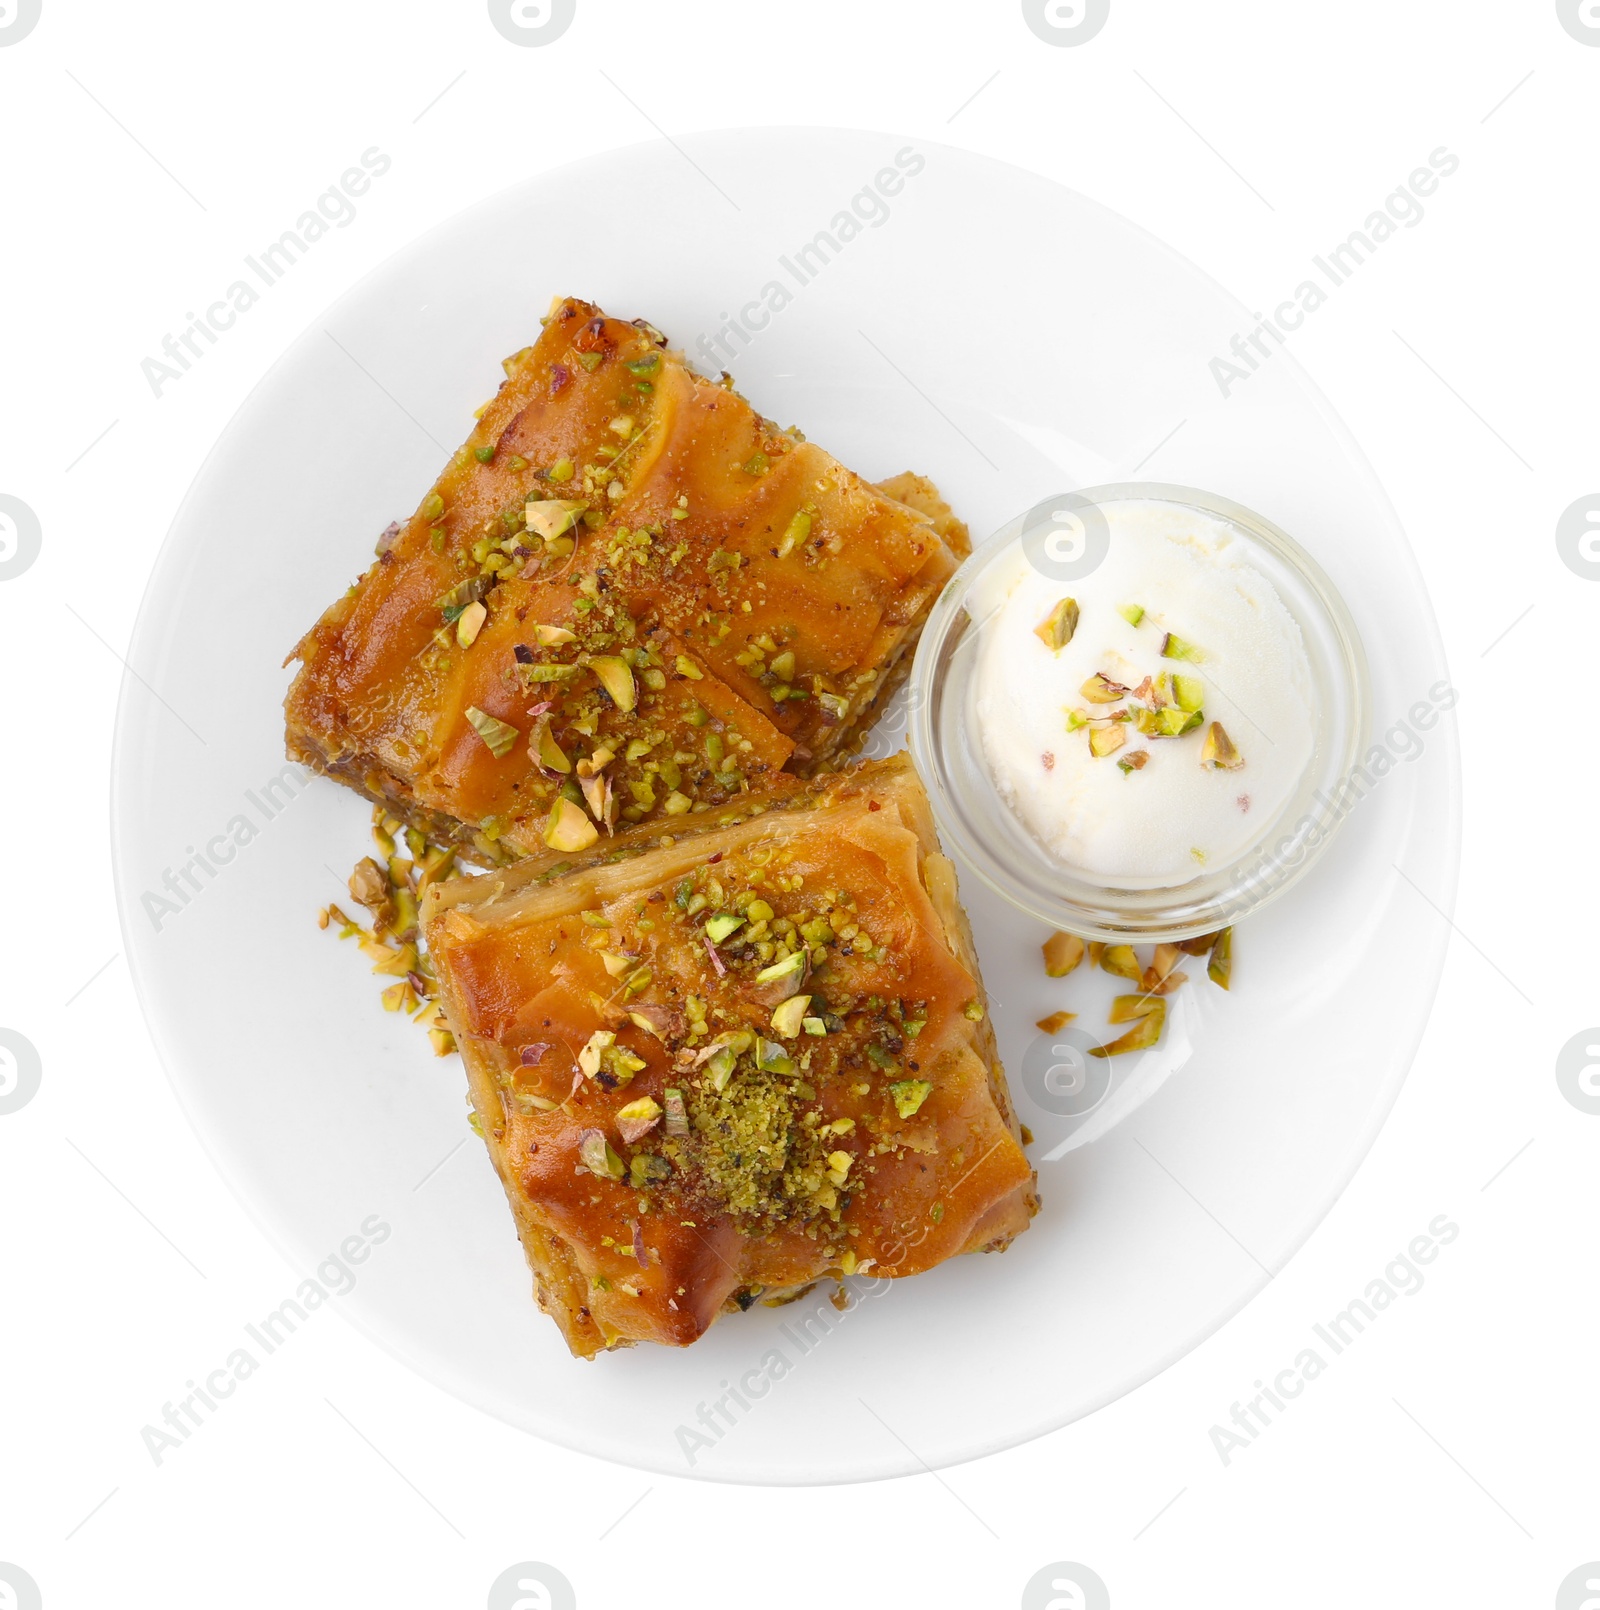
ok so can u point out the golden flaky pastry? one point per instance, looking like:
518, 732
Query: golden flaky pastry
717, 1059
624, 560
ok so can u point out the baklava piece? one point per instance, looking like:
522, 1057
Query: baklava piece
629, 595
717, 1060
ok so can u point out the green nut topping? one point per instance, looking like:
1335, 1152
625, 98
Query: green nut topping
792, 966
497, 734
788, 1018
908, 1095
1056, 630
597, 1155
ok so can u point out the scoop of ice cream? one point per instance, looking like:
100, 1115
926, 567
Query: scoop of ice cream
1152, 729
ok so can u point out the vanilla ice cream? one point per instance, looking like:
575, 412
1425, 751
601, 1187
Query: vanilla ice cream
1149, 721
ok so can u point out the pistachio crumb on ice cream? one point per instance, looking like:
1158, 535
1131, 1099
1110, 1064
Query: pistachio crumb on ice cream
1115, 708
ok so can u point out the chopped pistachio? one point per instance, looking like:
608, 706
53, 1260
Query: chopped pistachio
1218, 752
1056, 1022
1107, 740
757, 464
1174, 647
432, 506
1137, 761
772, 1058
1189, 691
782, 665
645, 1168
1144, 1034
497, 734
792, 966
1127, 1008
788, 1018
469, 623
815, 1026
484, 455
1100, 689
721, 925
594, 1049
561, 470
616, 677
597, 1155
1062, 952
721, 1065
687, 667
1160, 969
1132, 613
796, 532
398, 996
1120, 961
1076, 719
543, 747
677, 1114
549, 636
598, 794
551, 517
637, 1119
1220, 968
568, 828
1056, 630
909, 1094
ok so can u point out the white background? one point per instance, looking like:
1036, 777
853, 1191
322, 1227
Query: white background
1448, 1457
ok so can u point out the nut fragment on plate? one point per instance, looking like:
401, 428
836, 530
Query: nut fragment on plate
1145, 1032
1062, 953
1121, 961
1220, 968
1157, 980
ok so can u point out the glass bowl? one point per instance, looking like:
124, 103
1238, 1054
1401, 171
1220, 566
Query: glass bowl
1067, 536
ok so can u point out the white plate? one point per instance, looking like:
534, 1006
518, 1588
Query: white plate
1007, 337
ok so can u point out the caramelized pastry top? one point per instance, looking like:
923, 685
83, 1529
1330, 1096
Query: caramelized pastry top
626, 566
733, 1060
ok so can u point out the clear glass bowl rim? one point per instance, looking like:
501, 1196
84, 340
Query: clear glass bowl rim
1053, 894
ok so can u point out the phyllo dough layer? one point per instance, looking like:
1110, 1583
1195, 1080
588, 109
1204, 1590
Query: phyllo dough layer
716, 1063
627, 567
